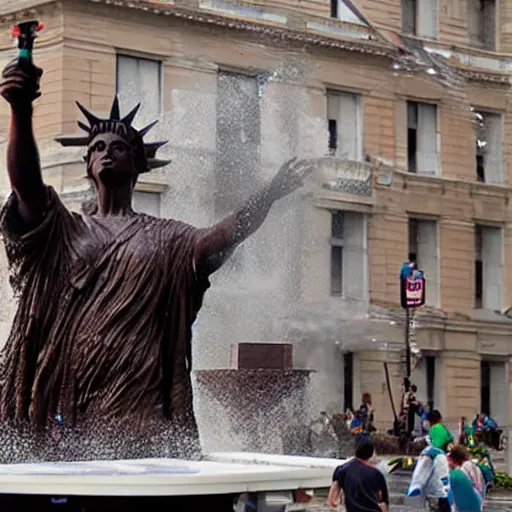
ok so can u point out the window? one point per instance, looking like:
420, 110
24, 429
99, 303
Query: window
422, 138
348, 255
482, 23
478, 268
337, 253
147, 202
334, 8
424, 377
423, 249
494, 390
345, 125
413, 240
348, 381
431, 377
419, 17
489, 148
346, 12
139, 80
485, 387
488, 267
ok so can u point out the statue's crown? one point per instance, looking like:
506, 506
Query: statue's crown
150, 148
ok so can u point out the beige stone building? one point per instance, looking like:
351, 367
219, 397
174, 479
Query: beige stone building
393, 88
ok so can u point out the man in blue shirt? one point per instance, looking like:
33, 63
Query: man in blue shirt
361, 484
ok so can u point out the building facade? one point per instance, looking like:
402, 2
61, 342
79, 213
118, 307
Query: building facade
414, 101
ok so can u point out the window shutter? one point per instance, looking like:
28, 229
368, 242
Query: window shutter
127, 78
349, 127
489, 23
428, 259
427, 18
150, 90
333, 106
354, 259
474, 21
498, 393
409, 16
138, 80
492, 262
427, 139
493, 156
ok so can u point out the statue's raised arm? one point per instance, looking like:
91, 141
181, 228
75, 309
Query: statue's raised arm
218, 242
20, 87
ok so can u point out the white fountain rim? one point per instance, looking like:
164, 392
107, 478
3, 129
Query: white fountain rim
221, 473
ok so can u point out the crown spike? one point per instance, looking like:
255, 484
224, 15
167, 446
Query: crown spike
114, 111
127, 120
89, 115
152, 147
146, 129
155, 163
72, 140
84, 127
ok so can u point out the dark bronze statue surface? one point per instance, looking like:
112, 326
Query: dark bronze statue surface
100, 347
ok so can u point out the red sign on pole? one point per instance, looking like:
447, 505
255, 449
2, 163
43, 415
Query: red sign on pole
413, 290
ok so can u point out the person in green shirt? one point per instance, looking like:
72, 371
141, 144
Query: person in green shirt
440, 436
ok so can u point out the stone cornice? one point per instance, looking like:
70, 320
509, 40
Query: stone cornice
473, 187
268, 29
438, 319
467, 325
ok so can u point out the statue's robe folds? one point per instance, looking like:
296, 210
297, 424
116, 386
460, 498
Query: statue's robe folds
102, 334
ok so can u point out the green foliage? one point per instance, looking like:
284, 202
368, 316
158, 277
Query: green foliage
479, 452
503, 480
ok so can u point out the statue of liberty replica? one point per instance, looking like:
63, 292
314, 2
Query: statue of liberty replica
98, 361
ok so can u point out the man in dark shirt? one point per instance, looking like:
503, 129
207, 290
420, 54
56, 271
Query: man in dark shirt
362, 484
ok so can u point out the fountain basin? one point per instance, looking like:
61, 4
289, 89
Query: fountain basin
221, 473
159, 483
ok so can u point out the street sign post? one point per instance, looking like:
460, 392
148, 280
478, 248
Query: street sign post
412, 295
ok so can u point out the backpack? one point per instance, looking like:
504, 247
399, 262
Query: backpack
487, 473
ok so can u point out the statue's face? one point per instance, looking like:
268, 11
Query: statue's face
111, 161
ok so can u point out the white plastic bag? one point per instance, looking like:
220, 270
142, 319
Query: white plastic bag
438, 486
420, 476
431, 476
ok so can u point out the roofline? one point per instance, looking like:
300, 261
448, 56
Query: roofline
383, 48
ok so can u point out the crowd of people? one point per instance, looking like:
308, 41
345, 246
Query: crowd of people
452, 475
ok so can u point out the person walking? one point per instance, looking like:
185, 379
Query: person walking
431, 479
466, 480
358, 483
440, 436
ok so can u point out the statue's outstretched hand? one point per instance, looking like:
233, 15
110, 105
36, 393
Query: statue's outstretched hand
20, 84
290, 177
